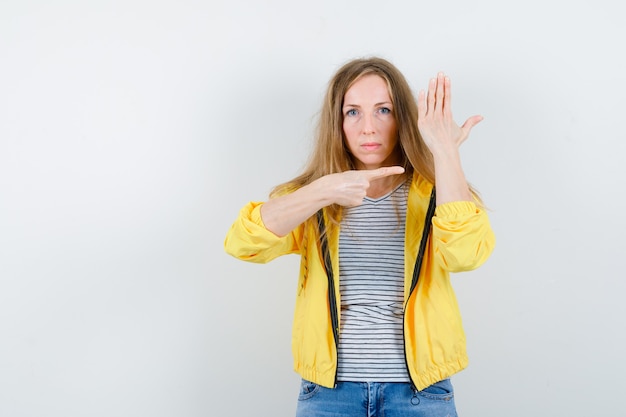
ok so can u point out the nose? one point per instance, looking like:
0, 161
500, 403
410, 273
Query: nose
368, 124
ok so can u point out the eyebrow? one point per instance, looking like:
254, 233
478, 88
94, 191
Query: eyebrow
388, 103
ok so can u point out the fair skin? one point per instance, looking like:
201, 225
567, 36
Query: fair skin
370, 129
443, 138
369, 126
371, 136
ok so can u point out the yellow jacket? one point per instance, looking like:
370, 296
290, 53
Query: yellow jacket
461, 239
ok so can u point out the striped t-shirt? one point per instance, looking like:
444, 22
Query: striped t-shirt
371, 265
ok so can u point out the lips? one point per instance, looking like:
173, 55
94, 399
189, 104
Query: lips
370, 146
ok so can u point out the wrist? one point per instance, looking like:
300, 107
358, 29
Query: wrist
321, 192
445, 153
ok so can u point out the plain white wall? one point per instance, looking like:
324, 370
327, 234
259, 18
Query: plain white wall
131, 132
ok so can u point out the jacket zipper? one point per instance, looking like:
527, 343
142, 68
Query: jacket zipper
416, 272
332, 298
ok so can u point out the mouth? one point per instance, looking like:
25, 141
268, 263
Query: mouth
370, 146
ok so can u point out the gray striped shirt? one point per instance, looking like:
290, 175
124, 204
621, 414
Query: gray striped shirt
371, 265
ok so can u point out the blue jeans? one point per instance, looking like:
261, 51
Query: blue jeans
376, 399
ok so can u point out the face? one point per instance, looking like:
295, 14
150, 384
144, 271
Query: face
369, 124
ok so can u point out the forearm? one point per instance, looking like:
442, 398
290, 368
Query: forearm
283, 214
449, 177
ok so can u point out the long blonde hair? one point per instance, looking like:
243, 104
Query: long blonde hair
330, 154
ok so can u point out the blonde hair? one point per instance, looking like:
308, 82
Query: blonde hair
330, 154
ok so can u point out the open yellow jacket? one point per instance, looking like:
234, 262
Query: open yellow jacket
461, 239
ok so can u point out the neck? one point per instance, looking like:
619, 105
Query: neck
384, 186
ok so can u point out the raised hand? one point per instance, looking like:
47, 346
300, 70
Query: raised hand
435, 122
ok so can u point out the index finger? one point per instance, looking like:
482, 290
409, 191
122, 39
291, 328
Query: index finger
374, 174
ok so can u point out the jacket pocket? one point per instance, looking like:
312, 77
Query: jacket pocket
441, 390
307, 390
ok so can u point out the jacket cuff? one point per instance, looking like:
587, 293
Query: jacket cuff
456, 209
253, 211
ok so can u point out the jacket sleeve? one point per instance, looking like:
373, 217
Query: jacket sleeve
248, 239
462, 236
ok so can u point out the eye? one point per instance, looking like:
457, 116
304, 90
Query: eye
385, 110
352, 112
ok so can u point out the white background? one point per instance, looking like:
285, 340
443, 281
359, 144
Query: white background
131, 132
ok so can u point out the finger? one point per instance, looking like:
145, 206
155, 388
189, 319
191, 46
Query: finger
421, 105
382, 172
471, 122
468, 125
430, 100
447, 96
439, 98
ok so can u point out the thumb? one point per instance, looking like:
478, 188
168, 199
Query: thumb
471, 122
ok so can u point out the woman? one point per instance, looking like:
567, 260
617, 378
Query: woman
377, 328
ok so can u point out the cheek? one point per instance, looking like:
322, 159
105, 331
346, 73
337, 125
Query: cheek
390, 130
350, 141
349, 132
347, 125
